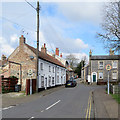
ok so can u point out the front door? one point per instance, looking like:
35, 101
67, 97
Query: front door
94, 78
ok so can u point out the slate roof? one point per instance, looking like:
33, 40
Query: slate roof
106, 57
45, 56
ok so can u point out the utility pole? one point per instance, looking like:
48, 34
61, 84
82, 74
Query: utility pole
37, 52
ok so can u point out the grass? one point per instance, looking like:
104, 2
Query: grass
116, 97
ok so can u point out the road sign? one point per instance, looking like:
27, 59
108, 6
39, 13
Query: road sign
108, 67
30, 72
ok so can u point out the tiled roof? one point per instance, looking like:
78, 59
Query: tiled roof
106, 57
46, 57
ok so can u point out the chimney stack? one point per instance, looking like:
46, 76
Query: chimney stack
57, 51
43, 48
3, 58
61, 55
111, 52
21, 40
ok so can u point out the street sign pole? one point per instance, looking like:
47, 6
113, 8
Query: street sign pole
108, 82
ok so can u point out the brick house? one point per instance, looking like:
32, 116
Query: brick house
97, 71
23, 59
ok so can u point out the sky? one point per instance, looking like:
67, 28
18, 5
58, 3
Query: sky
69, 26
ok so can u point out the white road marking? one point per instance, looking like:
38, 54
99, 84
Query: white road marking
31, 118
42, 111
53, 105
7, 108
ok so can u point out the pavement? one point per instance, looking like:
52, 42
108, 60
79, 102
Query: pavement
61, 102
104, 105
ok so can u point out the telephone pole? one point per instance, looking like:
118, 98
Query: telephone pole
37, 50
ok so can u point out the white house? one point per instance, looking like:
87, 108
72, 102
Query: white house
51, 71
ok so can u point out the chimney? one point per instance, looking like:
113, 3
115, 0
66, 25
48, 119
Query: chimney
3, 58
61, 55
21, 40
111, 52
57, 51
90, 53
43, 48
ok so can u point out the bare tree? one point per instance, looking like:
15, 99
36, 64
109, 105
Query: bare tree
73, 61
111, 26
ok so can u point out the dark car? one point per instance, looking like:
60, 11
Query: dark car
71, 83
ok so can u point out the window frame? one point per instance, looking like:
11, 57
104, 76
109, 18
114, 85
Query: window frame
99, 75
41, 66
116, 65
116, 75
99, 65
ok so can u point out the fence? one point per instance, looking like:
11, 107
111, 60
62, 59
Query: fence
7, 84
114, 89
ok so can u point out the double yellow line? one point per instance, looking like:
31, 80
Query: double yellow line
88, 112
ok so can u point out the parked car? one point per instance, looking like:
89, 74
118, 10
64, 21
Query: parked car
71, 83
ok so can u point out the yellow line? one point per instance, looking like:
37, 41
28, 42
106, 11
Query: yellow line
90, 108
87, 112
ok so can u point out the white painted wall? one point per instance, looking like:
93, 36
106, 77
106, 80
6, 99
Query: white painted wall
58, 71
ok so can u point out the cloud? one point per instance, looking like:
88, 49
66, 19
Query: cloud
14, 38
79, 11
5, 47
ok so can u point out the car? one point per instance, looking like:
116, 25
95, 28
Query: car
71, 83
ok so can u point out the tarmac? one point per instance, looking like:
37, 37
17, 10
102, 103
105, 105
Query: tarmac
104, 105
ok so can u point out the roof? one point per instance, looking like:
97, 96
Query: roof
45, 56
106, 57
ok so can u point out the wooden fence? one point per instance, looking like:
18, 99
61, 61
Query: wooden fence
7, 84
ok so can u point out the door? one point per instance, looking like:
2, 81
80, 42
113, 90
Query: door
94, 78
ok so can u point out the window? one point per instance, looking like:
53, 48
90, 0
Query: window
41, 65
49, 69
58, 70
53, 70
100, 65
53, 80
114, 75
114, 65
58, 79
100, 75
49, 81
42, 81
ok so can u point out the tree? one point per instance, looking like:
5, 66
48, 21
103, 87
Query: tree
79, 66
111, 26
72, 60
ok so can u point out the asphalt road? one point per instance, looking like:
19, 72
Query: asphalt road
73, 102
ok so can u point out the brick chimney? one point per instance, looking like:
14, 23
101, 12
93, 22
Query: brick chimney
111, 52
61, 55
43, 48
57, 51
3, 58
21, 40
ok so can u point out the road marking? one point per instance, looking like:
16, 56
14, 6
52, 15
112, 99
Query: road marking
7, 108
88, 112
52, 105
42, 111
31, 118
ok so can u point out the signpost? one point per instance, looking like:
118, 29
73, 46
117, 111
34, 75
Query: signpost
30, 73
108, 68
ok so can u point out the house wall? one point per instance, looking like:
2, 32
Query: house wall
22, 56
59, 74
95, 68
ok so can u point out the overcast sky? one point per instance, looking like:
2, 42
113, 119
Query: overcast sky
70, 26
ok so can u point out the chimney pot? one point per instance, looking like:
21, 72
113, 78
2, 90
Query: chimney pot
61, 55
43, 49
57, 52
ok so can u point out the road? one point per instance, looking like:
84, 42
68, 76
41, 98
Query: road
73, 102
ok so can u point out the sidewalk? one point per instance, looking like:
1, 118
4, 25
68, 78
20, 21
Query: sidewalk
12, 99
105, 106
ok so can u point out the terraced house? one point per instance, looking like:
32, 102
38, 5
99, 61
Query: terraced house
23, 59
96, 71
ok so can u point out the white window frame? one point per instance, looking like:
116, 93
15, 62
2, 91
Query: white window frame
113, 64
99, 65
99, 75
41, 66
116, 75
